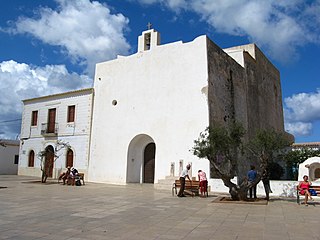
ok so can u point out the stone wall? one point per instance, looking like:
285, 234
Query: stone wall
280, 188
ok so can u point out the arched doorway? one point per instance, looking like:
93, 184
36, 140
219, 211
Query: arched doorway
49, 161
148, 163
141, 157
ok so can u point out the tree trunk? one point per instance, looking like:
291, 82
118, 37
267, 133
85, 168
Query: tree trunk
237, 193
44, 176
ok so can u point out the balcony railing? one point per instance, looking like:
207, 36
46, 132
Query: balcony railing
49, 129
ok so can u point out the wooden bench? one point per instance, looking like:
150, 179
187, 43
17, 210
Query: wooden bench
80, 177
191, 187
314, 187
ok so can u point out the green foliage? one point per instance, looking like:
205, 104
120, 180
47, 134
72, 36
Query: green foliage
298, 156
268, 143
295, 157
221, 145
218, 141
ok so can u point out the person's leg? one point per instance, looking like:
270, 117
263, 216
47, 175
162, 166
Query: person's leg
250, 192
73, 179
267, 193
266, 189
255, 191
309, 195
64, 179
205, 183
306, 198
201, 188
182, 183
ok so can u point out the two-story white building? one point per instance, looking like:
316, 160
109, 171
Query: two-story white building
49, 121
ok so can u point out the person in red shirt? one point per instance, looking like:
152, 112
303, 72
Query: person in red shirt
203, 182
303, 188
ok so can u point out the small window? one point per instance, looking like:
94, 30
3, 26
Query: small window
16, 159
34, 118
147, 41
31, 159
71, 113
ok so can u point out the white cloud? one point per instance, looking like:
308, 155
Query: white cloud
303, 106
299, 128
277, 26
174, 5
85, 30
301, 111
20, 81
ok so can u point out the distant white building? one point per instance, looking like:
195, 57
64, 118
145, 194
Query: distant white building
311, 166
149, 108
9, 156
47, 120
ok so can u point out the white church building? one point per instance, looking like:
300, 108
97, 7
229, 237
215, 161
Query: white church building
139, 122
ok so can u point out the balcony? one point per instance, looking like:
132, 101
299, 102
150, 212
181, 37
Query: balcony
49, 129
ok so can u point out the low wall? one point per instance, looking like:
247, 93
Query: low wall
280, 188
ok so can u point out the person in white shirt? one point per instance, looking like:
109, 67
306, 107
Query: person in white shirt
183, 176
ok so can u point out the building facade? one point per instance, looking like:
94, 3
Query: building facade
152, 105
149, 108
56, 127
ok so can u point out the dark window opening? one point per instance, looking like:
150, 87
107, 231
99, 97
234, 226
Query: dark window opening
34, 118
16, 159
31, 159
71, 113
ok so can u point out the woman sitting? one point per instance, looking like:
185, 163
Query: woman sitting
303, 188
65, 175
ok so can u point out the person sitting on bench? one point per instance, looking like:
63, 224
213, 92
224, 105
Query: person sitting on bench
303, 188
73, 173
65, 175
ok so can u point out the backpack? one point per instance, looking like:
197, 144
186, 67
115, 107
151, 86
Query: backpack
78, 182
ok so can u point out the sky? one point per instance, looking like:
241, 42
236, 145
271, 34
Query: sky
52, 46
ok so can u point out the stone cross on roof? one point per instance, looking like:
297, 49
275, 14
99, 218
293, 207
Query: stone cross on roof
149, 25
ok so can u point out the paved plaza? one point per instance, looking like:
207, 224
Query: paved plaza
31, 210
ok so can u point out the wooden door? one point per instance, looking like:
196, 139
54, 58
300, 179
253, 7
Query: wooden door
51, 120
149, 163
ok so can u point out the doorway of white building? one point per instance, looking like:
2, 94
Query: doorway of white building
49, 160
148, 160
141, 160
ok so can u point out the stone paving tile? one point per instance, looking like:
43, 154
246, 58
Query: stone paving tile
31, 210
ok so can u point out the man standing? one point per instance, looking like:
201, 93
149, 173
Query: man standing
183, 176
252, 174
266, 182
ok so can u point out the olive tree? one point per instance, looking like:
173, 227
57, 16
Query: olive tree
225, 149
43, 156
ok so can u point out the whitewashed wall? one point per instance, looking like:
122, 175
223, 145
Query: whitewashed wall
160, 93
280, 188
7, 157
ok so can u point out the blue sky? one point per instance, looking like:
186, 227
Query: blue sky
51, 46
